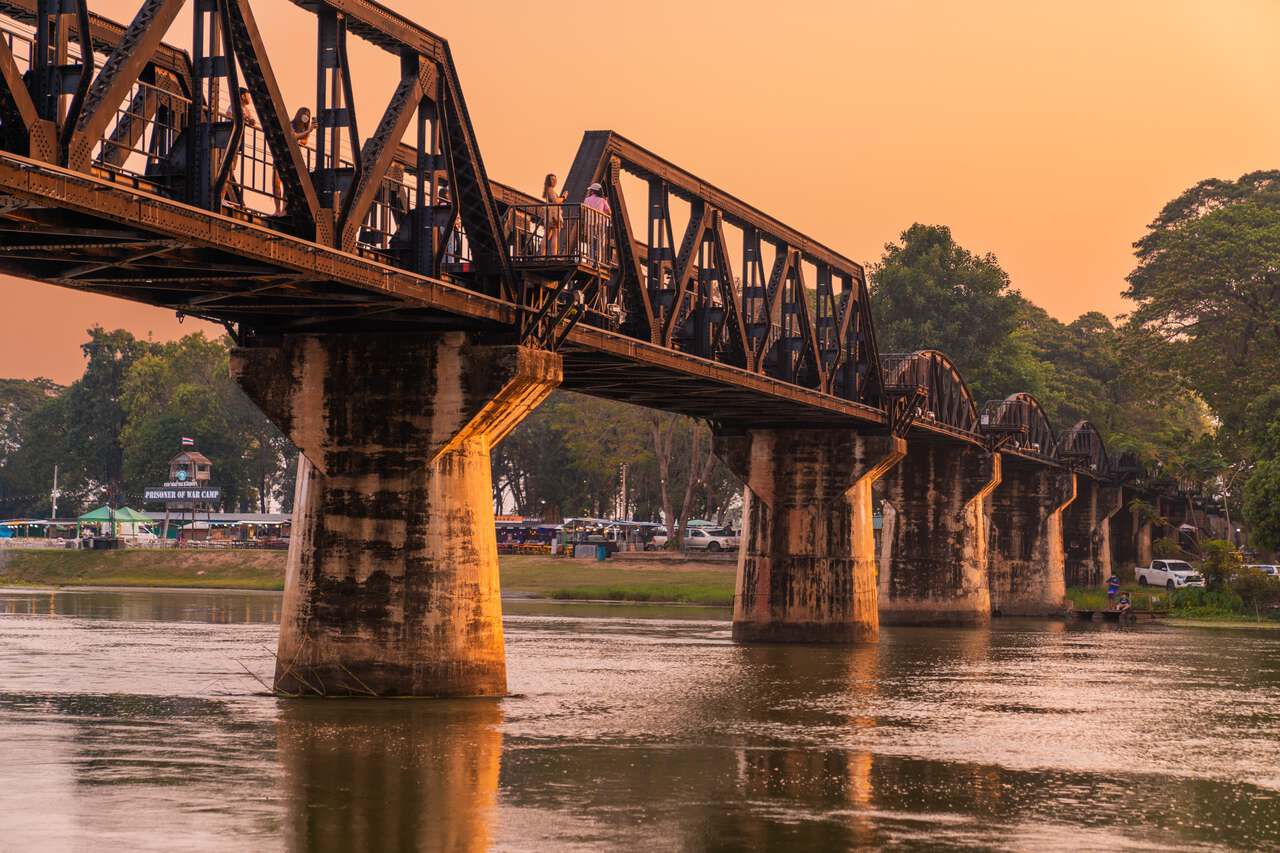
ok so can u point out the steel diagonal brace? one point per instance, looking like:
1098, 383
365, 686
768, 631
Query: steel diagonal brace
286, 155
547, 304
159, 247
418, 78
121, 70
693, 235
40, 133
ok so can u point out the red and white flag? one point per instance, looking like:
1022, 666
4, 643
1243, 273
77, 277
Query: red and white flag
188, 442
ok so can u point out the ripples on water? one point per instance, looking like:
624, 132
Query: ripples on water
129, 720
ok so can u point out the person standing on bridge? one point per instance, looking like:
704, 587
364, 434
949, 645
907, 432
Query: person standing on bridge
597, 226
555, 216
300, 127
596, 201
1113, 587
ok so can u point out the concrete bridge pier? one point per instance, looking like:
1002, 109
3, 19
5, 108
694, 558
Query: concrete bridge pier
1110, 508
1122, 534
1086, 542
806, 567
933, 542
1026, 563
392, 580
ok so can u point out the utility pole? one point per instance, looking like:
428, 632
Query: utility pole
54, 493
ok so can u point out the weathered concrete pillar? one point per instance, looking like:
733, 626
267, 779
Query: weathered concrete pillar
1110, 504
392, 580
1123, 534
933, 542
1082, 537
1026, 563
1144, 544
806, 567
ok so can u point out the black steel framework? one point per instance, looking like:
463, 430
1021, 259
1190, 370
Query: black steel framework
935, 391
1081, 447
128, 167
1018, 423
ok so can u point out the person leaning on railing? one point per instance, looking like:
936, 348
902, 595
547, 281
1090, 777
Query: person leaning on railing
300, 126
598, 225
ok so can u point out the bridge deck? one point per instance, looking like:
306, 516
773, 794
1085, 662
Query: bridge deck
92, 234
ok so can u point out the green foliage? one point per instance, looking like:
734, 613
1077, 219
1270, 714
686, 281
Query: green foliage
566, 460
114, 429
1220, 563
1165, 547
185, 388
1145, 513
1207, 287
1262, 504
930, 292
1206, 603
1258, 590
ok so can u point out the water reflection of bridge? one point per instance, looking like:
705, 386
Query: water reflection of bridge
398, 312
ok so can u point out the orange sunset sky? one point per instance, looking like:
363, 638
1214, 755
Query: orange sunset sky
1048, 134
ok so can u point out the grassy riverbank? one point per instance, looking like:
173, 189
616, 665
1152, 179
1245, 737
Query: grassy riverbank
1193, 608
542, 577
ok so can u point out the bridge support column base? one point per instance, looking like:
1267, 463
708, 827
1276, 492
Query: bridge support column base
933, 541
1026, 564
392, 585
806, 568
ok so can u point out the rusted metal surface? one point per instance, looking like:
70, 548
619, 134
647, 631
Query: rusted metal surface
400, 236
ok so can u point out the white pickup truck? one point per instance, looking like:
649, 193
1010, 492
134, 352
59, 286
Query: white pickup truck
1170, 574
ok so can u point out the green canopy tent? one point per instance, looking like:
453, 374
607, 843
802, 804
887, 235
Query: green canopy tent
123, 515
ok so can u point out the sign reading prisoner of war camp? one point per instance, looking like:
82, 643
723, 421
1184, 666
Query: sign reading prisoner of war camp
181, 492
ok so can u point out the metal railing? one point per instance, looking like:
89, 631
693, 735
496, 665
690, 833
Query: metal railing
902, 369
560, 234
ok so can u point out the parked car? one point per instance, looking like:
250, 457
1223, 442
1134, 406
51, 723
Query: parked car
1170, 574
1273, 571
713, 540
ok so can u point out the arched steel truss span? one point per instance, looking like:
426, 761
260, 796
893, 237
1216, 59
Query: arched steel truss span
935, 382
1082, 447
1018, 423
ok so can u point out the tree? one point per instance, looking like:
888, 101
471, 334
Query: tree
1220, 564
928, 292
1256, 589
78, 430
185, 388
1262, 504
1207, 285
19, 398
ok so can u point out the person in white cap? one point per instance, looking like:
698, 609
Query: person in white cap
596, 200
598, 230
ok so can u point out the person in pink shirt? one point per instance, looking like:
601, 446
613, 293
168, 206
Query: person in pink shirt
595, 199
598, 230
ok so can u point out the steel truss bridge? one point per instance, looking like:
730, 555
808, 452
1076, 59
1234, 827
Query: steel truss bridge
126, 169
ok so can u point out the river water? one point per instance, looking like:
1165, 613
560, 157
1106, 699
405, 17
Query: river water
132, 720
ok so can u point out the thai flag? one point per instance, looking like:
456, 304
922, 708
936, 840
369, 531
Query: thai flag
188, 442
